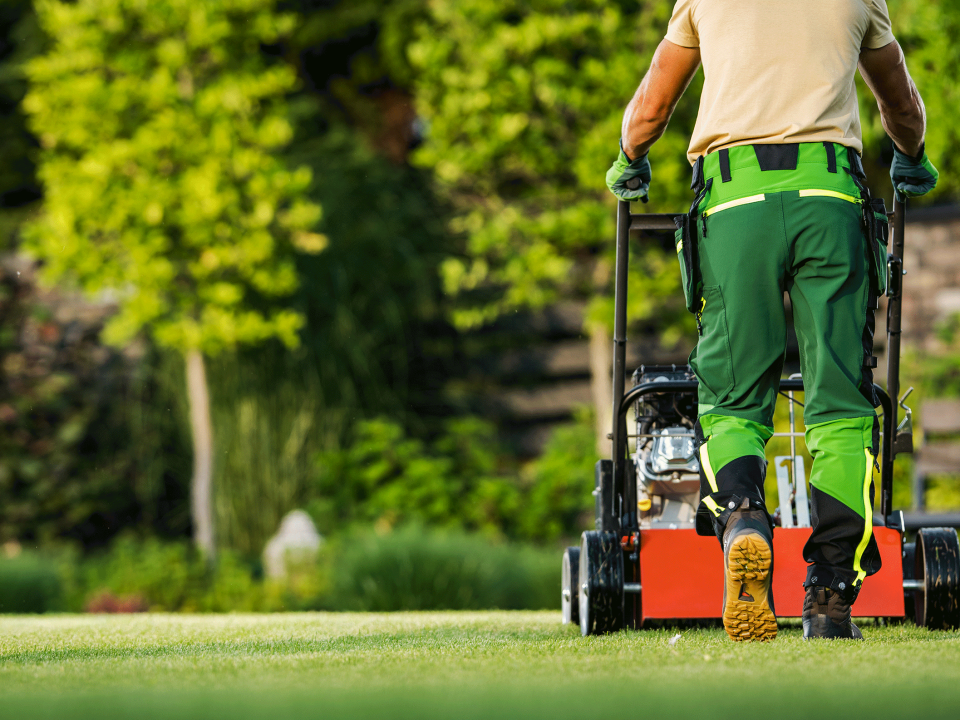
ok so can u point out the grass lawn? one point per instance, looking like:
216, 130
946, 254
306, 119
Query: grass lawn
457, 665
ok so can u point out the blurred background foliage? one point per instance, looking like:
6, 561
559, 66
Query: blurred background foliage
523, 101
458, 151
160, 124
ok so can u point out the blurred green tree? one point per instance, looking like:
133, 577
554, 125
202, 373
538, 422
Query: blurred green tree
929, 33
375, 341
160, 124
20, 39
355, 54
523, 103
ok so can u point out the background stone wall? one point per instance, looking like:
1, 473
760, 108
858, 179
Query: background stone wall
932, 283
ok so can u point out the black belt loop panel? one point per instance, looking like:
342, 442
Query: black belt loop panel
856, 167
697, 182
831, 157
724, 156
778, 157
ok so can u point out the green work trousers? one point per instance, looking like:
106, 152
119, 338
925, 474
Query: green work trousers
770, 220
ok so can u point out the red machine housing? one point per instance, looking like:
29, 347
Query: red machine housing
681, 575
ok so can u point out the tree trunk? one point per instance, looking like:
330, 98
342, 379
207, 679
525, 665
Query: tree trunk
202, 487
601, 385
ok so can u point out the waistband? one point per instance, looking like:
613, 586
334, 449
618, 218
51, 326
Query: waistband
749, 170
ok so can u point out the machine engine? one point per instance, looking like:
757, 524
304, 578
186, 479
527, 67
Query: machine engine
665, 459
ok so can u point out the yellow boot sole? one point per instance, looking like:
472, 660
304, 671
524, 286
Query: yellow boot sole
747, 614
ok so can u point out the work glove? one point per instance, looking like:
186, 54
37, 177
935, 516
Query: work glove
629, 179
912, 176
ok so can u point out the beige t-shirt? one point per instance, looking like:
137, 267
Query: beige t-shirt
778, 71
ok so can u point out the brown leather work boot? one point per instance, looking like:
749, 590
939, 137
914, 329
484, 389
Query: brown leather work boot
826, 615
748, 612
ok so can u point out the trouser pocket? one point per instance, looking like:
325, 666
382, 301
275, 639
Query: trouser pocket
712, 360
686, 245
877, 231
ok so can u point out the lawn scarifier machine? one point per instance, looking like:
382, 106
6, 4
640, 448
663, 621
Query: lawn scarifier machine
644, 561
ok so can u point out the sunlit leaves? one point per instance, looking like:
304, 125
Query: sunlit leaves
160, 122
523, 102
930, 36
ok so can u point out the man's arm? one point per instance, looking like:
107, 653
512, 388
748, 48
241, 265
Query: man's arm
648, 113
901, 109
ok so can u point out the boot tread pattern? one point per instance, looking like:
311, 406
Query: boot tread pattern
747, 614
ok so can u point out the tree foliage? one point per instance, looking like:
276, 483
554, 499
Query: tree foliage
930, 36
160, 123
362, 46
523, 102
371, 299
19, 40
91, 440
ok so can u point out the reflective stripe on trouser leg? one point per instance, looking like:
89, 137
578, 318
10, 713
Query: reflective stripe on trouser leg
732, 467
841, 550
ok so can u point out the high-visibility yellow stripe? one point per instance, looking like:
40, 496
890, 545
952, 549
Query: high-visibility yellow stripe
867, 519
707, 469
829, 193
679, 247
712, 505
734, 203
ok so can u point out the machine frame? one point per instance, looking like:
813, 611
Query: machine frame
624, 575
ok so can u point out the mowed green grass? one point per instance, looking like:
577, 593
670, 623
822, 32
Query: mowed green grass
457, 665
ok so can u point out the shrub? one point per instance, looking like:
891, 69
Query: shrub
417, 569
136, 575
107, 602
560, 482
166, 575
29, 584
385, 476
411, 568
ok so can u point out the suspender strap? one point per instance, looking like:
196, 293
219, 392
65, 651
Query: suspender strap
831, 157
725, 165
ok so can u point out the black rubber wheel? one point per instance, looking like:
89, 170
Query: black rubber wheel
601, 583
909, 571
937, 564
570, 586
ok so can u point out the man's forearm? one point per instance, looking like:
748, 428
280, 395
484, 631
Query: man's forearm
906, 123
901, 109
641, 126
648, 113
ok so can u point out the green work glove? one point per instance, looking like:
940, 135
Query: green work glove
629, 179
912, 176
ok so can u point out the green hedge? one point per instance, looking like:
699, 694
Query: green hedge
416, 569
29, 584
411, 568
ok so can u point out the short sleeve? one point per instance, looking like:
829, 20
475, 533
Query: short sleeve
878, 33
682, 29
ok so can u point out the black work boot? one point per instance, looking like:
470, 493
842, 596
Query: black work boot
827, 615
748, 612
